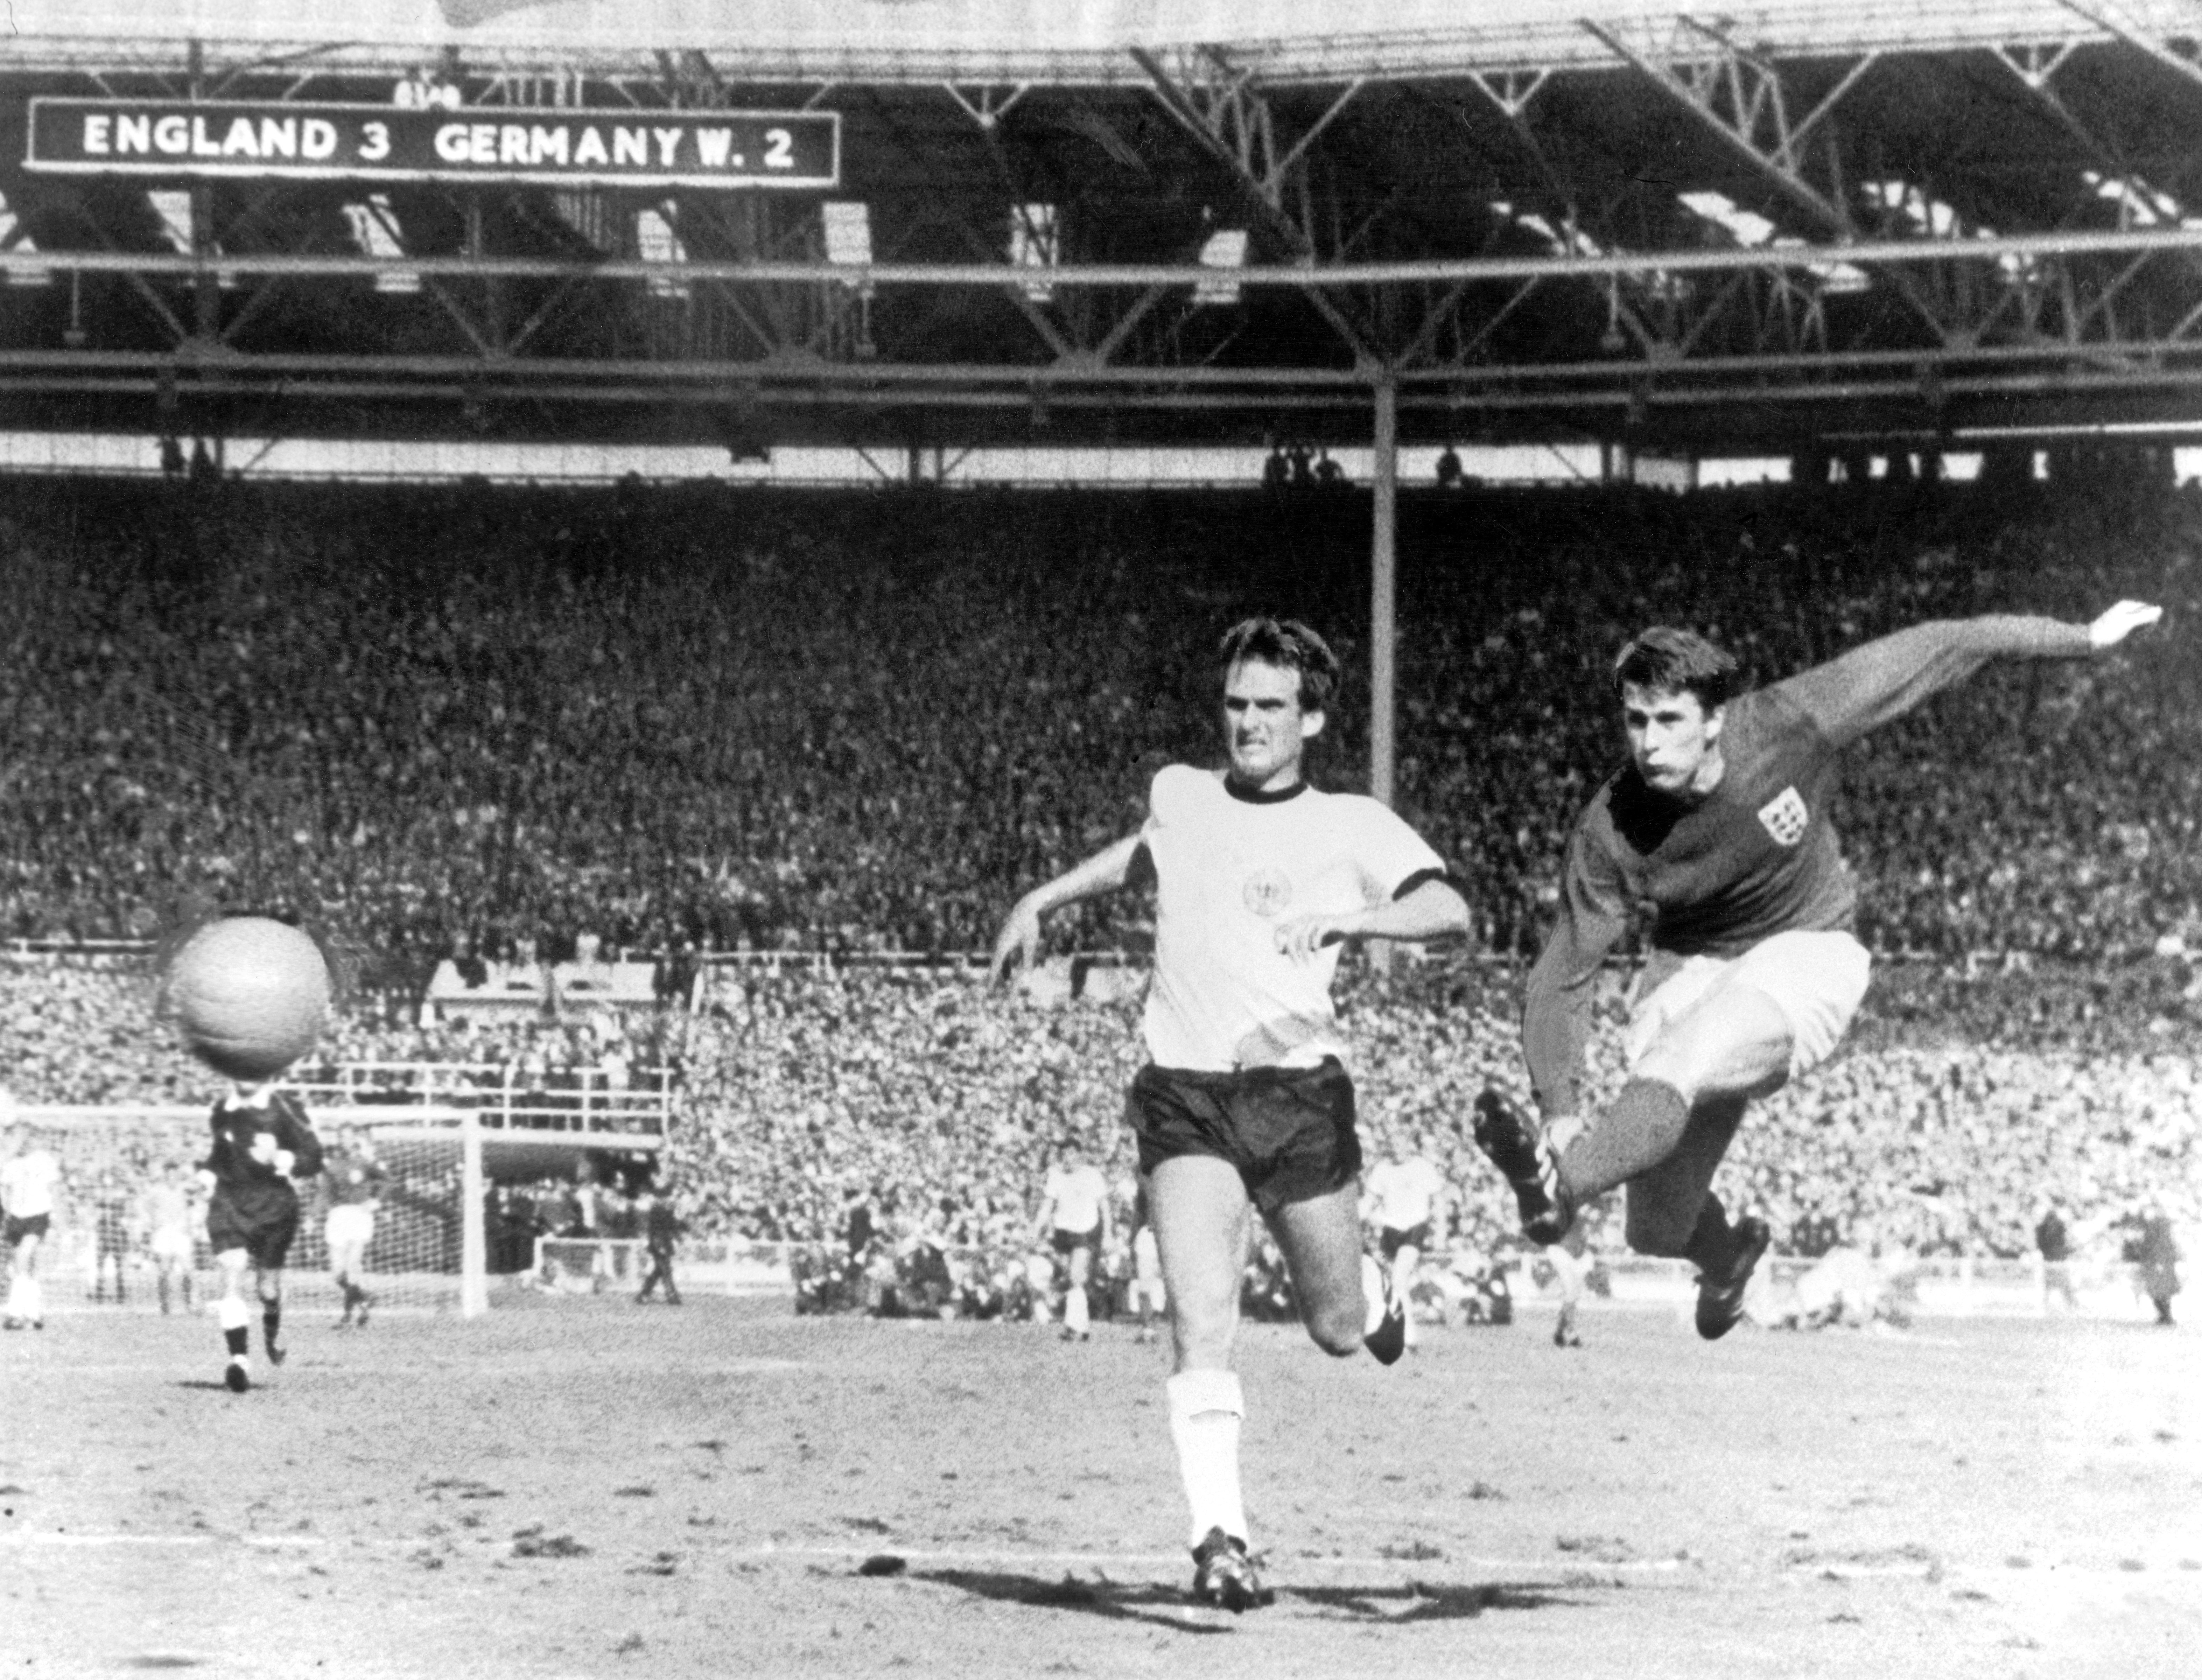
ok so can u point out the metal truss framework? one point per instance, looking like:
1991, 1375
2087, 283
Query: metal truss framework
1488, 247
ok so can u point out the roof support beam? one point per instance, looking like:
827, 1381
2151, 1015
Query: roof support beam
1233, 124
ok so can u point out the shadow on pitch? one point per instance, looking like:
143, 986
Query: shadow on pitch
1167, 1607
1420, 1601
1112, 1600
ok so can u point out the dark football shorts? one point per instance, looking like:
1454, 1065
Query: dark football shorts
32, 1225
1289, 1131
1390, 1242
264, 1235
1069, 1242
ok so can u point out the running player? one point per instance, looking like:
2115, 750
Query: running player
1407, 1199
263, 1144
1073, 1221
28, 1178
1719, 823
352, 1180
1570, 1270
166, 1214
1149, 1297
1244, 1104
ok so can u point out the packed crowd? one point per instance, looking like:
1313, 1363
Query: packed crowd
894, 1124
509, 719
508, 722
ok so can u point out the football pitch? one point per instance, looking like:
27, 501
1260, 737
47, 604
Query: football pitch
579, 1487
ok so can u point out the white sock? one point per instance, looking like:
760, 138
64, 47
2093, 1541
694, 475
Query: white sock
34, 1299
1076, 1315
14, 1309
1204, 1410
1372, 1295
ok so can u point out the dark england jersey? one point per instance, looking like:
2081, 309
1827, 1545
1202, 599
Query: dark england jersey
1758, 855
243, 1160
352, 1178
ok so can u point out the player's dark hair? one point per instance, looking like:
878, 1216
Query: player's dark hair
1290, 646
1668, 660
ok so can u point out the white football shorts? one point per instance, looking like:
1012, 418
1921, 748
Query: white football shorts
350, 1223
1817, 980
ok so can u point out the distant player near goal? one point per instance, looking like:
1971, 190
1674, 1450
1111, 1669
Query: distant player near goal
1073, 1221
1407, 1199
263, 1144
352, 1181
1720, 823
168, 1213
28, 1178
1246, 1103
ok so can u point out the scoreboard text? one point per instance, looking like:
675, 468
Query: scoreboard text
563, 147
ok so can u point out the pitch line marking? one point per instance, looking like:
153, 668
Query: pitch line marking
1310, 1563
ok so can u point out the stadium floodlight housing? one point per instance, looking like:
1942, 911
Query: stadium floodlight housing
655, 241
1752, 230
374, 229
13, 238
1932, 217
848, 225
1225, 249
173, 207
1034, 244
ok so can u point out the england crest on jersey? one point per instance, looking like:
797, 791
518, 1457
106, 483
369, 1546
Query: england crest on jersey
1784, 817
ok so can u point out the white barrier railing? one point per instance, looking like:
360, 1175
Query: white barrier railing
504, 1095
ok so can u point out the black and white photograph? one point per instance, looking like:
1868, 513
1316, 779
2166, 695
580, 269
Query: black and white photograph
1125, 838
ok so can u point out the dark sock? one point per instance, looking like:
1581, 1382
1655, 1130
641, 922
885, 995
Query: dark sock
235, 1339
1641, 1129
1712, 1240
271, 1321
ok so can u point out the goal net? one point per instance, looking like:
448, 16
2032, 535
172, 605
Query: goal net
129, 1222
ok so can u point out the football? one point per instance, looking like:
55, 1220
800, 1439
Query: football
248, 994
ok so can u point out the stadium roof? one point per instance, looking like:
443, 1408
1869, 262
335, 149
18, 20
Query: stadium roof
1764, 227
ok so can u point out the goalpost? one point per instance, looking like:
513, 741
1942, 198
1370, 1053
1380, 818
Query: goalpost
429, 1253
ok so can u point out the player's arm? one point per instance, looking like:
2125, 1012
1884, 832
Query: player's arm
1858, 691
1556, 1000
1105, 871
300, 1142
1427, 906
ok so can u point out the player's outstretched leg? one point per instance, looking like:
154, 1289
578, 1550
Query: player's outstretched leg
270, 1290
231, 1314
1524, 1153
1201, 1221
1384, 1332
1723, 1278
1077, 1310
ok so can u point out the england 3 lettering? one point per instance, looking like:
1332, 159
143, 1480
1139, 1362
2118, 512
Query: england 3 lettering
783, 148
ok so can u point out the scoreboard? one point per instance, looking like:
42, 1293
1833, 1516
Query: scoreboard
563, 146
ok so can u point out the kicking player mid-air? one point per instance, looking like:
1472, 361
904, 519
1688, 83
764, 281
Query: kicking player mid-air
1244, 1104
1719, 823
352, 1179
263, 1144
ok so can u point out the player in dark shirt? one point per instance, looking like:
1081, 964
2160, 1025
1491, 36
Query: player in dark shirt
1718, 829
262, 1143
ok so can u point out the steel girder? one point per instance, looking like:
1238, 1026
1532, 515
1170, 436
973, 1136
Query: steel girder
528, 299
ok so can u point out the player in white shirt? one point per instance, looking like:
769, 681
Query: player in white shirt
167, 1210
1073, 1221
1406, 1197
28, 1178
1246, 1103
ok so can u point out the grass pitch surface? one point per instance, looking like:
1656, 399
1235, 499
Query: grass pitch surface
585, 1488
